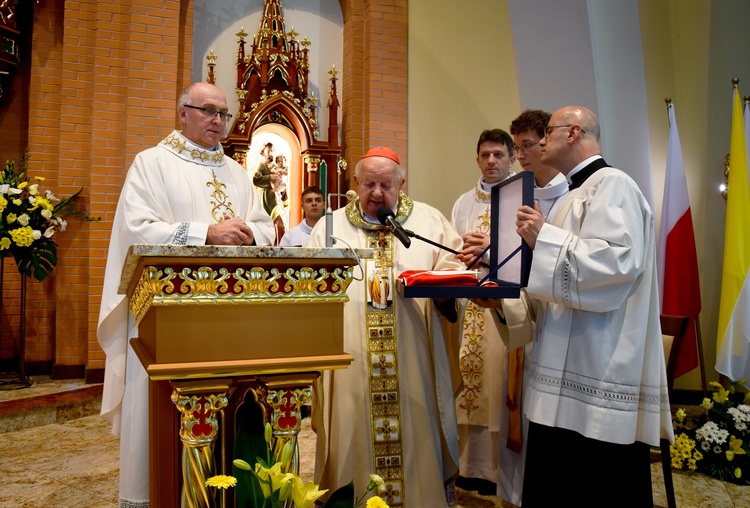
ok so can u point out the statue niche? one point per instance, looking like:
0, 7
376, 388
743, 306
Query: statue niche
275, 108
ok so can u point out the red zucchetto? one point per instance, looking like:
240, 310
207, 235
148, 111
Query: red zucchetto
382, 151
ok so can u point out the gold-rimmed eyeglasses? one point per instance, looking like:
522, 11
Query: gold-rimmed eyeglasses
211, 112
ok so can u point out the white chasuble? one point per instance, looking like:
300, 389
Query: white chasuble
391, 411
171, 194
481, 406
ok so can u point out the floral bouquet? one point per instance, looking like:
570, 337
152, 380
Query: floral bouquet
717, 442
272, 486
29, 217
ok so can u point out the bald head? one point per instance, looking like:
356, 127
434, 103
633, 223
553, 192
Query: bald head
572, 136
202, 109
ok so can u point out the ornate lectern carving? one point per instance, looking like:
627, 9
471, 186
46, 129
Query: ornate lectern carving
216, 324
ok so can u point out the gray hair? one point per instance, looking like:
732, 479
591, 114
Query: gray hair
399, 174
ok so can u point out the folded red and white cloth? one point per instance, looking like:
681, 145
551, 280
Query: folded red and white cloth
439, 277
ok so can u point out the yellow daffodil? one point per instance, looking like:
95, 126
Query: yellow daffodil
707, 404
17, 202
304, 495
3, 203
221, 481
11, 218
376, 502
4, 243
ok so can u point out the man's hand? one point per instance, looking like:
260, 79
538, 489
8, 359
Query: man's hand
230, 231
529, 222
474, 244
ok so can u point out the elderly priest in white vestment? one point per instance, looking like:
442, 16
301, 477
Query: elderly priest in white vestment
391, 411
183, 191
597, 392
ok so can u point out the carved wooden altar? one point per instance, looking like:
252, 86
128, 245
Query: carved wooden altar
220, 324
272, 86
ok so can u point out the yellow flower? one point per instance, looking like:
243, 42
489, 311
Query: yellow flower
680, 415
11, 218
274, 476
735, 448
738, 473
40, 178
242, 464
4, 243
721, 395
304, 495
22, 185
707, 404
23, 237
221, 481
3, 203
376, 502
17, 202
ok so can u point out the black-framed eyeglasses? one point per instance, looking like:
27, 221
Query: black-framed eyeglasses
548, 130
525, 148
211, 112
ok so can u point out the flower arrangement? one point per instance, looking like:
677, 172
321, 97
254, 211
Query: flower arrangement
29, 217
271, 481
716, 442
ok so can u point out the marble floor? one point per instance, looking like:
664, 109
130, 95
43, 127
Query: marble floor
57, 452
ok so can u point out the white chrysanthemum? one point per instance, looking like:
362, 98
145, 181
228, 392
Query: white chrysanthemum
24, 220
37, 234
739, 417
47, 214
4, 188
712, 433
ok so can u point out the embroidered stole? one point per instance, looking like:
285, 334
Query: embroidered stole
383, 367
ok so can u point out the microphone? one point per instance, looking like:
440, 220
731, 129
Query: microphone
387, 218
350, 194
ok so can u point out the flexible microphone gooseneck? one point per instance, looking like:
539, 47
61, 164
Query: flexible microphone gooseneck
350, 194
387, 218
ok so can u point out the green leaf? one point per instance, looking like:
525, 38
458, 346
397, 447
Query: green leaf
342, 498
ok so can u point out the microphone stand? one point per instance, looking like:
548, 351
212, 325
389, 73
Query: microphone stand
412, 234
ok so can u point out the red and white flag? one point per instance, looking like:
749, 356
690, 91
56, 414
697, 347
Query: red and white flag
679, 287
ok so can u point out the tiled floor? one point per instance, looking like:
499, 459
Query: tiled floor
56, 452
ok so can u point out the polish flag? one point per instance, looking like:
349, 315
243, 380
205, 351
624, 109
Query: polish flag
679, 287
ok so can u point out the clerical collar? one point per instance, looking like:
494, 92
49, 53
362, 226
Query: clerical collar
555, 188
585, 169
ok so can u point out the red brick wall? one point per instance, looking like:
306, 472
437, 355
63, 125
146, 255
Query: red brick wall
104, 82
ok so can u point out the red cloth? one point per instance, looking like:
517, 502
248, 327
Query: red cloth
439, 278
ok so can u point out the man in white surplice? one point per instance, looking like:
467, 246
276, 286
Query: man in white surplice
183, 191
391, 411
597, 394
480, 409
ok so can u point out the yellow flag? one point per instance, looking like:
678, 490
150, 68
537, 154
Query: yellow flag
733, 338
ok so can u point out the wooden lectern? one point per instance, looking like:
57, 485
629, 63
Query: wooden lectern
217, 324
